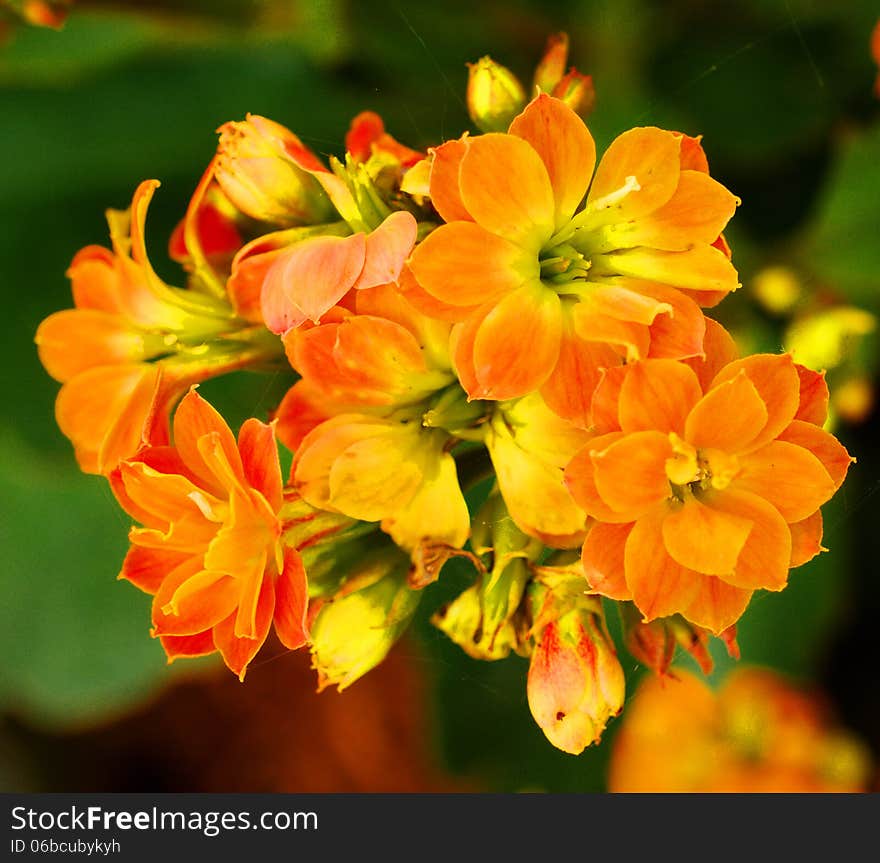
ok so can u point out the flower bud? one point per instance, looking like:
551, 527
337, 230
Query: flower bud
353, 632
577, 91
494, 95
267, 172
551, 68
575, 683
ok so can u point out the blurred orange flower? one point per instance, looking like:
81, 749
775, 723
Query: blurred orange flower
705, 493
210, 550
758, 733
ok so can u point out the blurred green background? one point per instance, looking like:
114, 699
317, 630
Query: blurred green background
781, 90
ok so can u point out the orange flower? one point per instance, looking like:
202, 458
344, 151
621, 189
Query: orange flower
365, 420
132, 345
875, 53
758, 733
705, 493
548, 294
211, 549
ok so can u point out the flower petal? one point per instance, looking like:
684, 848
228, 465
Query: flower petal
309, 278
765, 557
813, 407
565, 146
697, 212
830, 452
788, 476
238, 651
717, 605
657, 395
631, 339
630, 474
506, 189
702, 268
659, 585
291, 602
719, 348
705, 539
517, 345
444, 192
806, 539
146, 568
776, 380
196, 600
465, 265
606, 399
728, 417
188, 646
580, 480
650, 155
387, 247
603, 560
569, 390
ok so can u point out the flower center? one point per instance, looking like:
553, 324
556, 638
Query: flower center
698, 470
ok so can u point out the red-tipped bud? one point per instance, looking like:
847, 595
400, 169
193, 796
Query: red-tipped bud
577, 91
494, 95
576, 683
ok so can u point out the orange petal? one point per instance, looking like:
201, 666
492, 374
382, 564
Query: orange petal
776, 380
806, 539
291, 602
657, 395
444, 181
624, 301
696, 213
728, 417
259, 458
679, 334
249, 268
387, 247
565, 146
606, 398
717, 605
146, 568
464, 264
517, 345
74, 340
631, 339
702, 269
238, 651
461, 349
204, 600
426, 303
719, 348
659, 585
569, 390
830, 452
693, 156
813, 407
704, 539
603, 559
651, 156
309, 278
95, 281
630, 474
188, 646
194, 419
764, 559
106, 413
301, 410
581, 482
505, 187
788, 476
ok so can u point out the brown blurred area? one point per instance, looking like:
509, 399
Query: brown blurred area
274, 733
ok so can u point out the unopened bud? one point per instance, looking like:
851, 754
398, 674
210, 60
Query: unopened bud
577, 91
494, 95
576, 683
266, 171
551, 68
353, 632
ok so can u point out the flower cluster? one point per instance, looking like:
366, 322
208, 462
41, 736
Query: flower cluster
501, 354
